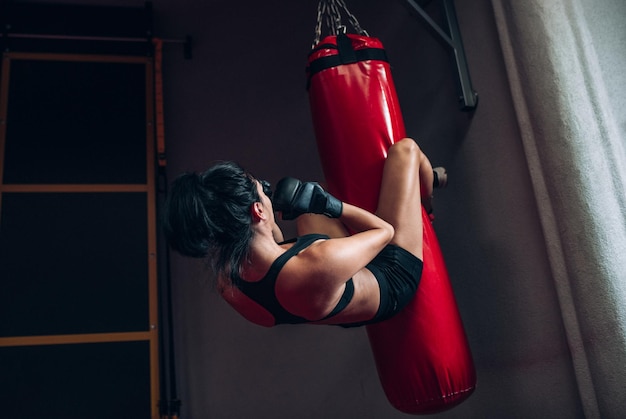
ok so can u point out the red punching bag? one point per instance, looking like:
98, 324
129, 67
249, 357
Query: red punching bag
422, 354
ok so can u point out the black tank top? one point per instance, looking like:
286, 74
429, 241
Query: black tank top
263, 291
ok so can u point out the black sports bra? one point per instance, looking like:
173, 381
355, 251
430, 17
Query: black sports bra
263, 291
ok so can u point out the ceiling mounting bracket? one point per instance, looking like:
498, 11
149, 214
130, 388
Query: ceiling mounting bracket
451, 39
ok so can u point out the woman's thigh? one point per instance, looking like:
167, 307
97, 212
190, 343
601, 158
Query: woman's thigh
406, 176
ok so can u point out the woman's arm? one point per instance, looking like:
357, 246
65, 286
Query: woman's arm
317, 276
331, 262
343, 257
359, 220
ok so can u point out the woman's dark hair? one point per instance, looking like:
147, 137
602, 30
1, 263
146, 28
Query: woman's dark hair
208, 214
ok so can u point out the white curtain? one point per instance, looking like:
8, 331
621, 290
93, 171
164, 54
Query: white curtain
574, 143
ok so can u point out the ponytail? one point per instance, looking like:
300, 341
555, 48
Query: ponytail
208, 214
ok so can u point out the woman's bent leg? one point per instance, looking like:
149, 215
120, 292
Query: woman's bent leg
407, 180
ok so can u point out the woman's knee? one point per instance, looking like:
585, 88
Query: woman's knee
405, 149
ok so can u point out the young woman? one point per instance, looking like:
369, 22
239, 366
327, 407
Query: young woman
325, 276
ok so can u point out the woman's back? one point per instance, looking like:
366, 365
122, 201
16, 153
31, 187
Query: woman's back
294, 288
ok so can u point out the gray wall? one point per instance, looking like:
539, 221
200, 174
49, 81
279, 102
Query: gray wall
242, 97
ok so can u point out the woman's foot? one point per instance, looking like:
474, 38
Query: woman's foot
440, 180
440, 177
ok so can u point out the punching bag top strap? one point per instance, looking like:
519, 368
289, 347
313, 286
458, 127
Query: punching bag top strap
346, 54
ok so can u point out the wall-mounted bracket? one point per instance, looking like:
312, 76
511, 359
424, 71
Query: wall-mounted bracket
451, 39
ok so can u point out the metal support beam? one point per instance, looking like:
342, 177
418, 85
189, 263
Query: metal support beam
27, 23
451, 39
5, 37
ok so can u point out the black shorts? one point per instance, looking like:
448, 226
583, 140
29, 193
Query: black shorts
398, 273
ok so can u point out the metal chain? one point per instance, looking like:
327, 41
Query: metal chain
352, 19
335, 15
321, 6
329, 15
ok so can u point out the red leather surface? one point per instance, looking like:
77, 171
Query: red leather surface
422, 354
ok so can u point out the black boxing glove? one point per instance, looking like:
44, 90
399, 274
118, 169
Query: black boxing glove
294, 198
